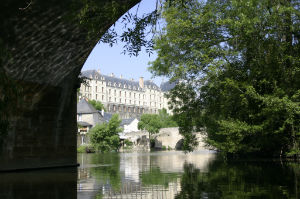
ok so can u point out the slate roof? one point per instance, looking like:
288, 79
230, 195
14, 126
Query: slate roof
107, 116
117, 82
84, 123
126, 121
166, 86
84, 107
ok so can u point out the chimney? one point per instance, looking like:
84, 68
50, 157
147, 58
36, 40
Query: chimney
141, 82
121, 76
98, 71
112, 75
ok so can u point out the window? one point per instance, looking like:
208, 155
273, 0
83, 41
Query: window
109, 91
129, 101
102, 89
115, 92
96, 96
120, 93
79, 117
115, 99
110, 99
102, 97
120, 100
96, 89
134, 95
130, 94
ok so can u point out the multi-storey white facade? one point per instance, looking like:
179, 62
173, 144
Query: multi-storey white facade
128, 98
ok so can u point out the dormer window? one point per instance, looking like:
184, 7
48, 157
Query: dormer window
119, 85
129, 87
124, 85
115, 84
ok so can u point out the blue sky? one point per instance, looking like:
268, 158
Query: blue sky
110, 60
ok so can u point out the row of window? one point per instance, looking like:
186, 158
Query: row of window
125, 85
129, 109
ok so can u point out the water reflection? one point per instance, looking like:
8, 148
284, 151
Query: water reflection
52, 184
135, 175
169, 175
241, 180
159, 175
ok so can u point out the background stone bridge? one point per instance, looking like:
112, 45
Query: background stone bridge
44, 45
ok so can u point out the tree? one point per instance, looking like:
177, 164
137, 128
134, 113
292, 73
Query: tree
104, 137
239, 68
166, 119
97, 105
150, 123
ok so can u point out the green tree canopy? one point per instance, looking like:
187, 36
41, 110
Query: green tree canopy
97, 105
239, 67
104, 137
166, 119
150, 123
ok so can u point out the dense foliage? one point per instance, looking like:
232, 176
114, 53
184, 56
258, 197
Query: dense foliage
239, 67
97, 105
166, 119
104, 137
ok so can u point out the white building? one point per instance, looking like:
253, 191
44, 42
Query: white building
128, 98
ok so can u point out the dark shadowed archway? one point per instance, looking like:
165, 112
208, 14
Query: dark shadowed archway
45, 45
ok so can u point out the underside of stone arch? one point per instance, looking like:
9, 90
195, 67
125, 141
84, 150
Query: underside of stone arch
46, 44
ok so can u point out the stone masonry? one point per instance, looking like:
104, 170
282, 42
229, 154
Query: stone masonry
46, 46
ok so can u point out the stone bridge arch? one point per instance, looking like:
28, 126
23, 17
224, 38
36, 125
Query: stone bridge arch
46, 45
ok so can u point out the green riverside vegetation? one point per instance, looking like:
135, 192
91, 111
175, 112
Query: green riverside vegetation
104, 137
238, 65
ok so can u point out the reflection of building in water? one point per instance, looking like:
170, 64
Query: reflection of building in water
131, 164
142, 175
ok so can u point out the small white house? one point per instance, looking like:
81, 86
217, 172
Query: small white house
130, 125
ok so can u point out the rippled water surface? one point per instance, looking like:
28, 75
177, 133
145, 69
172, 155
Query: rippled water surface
157, 175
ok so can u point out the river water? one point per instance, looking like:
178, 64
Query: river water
157, 175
